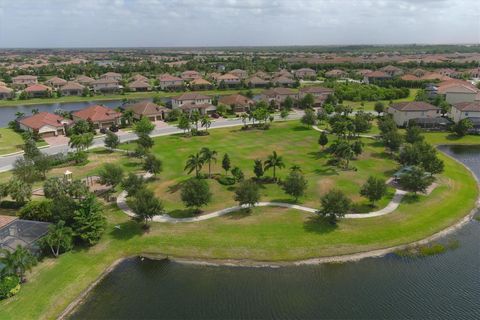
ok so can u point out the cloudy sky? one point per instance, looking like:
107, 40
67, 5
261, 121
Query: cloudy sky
148, 23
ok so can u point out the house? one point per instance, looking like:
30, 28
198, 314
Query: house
410, 77
335, 73
56, 82
148, 109
139, 85
237, 102
6, 93
190, 98
376, 76
392, 71
463, 110
363, 72
284, 81
228, 79
24, 80
45, 124
448, 72
200, 83
85, 81
105, 85
111, 76
100, 116
189, 75
38, 91
278, 95
474, 73
239, 73
305, 73
202, 108
458, 91
404, 112
167, 81
262, 75
255, 81
72, 88
139, 77
283, 73
320, 94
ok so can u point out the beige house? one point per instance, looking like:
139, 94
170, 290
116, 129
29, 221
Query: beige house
111, 76
255, 81
320, 94
305, 73
335, 73
237, 102
105, 85
6, 93
139, 85
148, 109
167, 81
24, 80
85, 81
38, 91
56, 82
189, 75
455, 93
278, 95
72, 88
464, 110
45, 124
229, 79
190, 98
239, 73
403, 112
392, 71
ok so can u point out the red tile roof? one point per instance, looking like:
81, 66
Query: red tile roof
5, 220
97, 113
147, 108
235, 99
139, 84
4, 89
37, 88
72, 85
169, 77
191, 96
41, 119
413, 106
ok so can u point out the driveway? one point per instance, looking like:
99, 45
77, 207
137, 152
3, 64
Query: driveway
57, 141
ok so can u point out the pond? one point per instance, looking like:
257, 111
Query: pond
444, 286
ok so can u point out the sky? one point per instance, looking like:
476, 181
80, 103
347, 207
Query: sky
172, 23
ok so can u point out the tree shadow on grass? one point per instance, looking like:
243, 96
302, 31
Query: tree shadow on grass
285, 200
411, 198
101, 151
301, 128
127, 230
453, 137
240, 214
184, 213
131, 164
326, 171
176, 187
318, 224
318, 155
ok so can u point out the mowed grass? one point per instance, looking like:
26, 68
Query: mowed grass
295, 143
369, 105
265, 234
11, 141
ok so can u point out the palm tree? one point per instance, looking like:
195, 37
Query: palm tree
207, 156
296, 167
274, 161
81, 141
244, 119
19, 114
206, 122
194, 162
17, 262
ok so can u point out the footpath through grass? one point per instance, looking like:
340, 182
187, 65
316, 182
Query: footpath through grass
266, 234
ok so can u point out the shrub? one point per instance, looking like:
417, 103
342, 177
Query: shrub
37, 210
226, 181
9, 286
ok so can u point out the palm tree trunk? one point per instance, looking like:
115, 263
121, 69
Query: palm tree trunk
209, 174
274, 173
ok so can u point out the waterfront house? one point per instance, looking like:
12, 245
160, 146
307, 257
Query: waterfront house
139, 85
45, 124
148, 109
255, 82
202, 108
56, 82
100, 116
24, 80
237, 102
105, 85
463, 110
167, 81
189, 75
38, 91
404, 112
200, 84
305, 73
6, 93
85, 81
190, 98
72, 88
228, 79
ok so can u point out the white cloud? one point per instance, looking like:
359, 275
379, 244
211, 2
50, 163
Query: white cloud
51, 23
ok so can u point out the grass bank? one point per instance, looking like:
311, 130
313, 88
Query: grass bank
11, 141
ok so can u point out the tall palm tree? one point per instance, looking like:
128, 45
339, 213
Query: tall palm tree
274, 161
18, 261
206, 122
194, 162
208, 156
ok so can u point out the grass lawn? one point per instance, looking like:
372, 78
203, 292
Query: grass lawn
266, 234
369, 105
128, 95
11, 141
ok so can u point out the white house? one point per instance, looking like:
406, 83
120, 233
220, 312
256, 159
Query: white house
403, 112
464, 110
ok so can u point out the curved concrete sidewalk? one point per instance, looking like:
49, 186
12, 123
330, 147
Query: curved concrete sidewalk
392, 205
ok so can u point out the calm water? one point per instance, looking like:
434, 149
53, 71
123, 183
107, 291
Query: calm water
446, 286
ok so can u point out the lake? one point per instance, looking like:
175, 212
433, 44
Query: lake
445, 286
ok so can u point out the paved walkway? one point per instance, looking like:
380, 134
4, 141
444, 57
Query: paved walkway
392, 206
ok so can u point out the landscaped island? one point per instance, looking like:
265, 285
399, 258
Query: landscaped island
263, 234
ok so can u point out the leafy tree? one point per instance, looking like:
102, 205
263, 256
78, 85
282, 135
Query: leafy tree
196, 193
295, 184
362, 122
247, 193
143, 127
374, 189
284, 114
57, 188
30, 149
357, 147
413, 134
343, 151
37, 210
309, 118
307, 101
111, 174
416, 180
58, 239
184, 123
42, 163
195, 119
152, 164
258, 168
145, 141
24, 170
237, 173
288, 103
335, 204
145, 205
392, 140
133, 183
323, 139
206, 122
462, 127
433, 165
274, 161
111, 140
88, 221
19, 191
17, 262
386, 125
80, 127
226, 163
81, 142
194, 162
208, 156
379, 107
